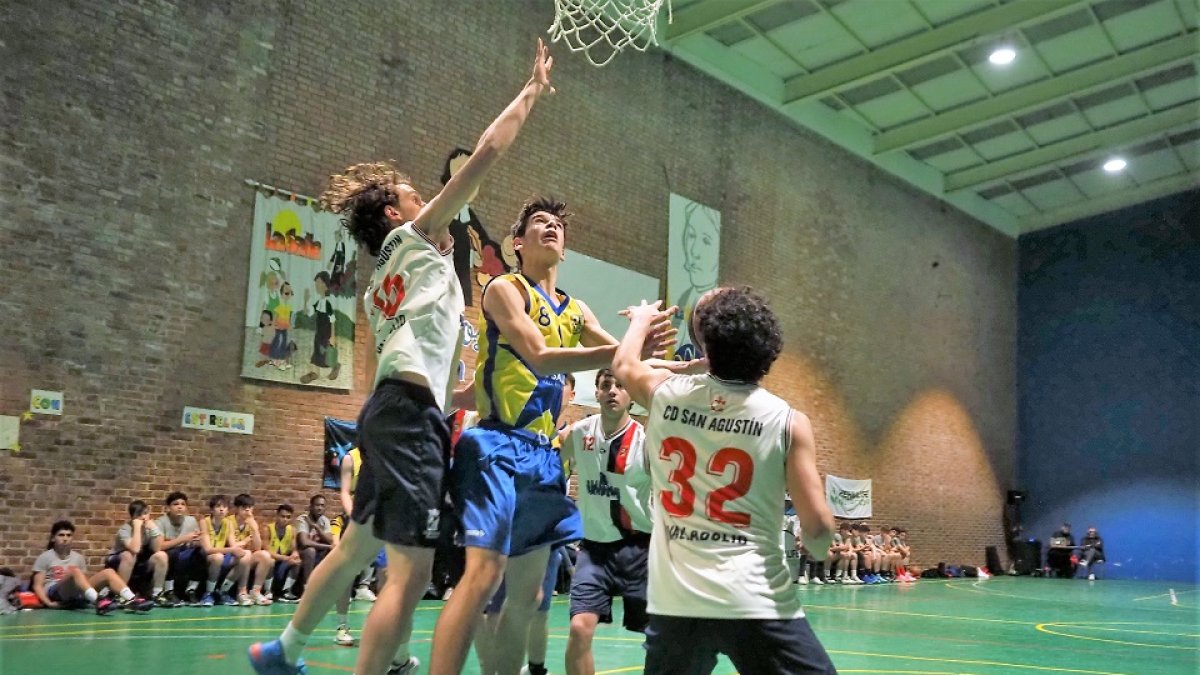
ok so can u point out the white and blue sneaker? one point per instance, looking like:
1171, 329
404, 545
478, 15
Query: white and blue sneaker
267, 659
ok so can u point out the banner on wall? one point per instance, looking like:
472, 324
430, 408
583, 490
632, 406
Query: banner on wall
693, 256
300, 302
340, 438
225, 421
848, 498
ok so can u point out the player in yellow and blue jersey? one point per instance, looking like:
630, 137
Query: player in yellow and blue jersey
506, 480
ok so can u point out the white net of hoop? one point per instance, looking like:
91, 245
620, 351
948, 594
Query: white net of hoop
601, 28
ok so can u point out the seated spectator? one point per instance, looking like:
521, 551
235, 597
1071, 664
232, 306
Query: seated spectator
314, 535
185, 558
255, 565
226, 559
1091, 552
1058, 557
60, 578
137, 553
281, 544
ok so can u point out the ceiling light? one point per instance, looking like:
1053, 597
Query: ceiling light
1114, 165
1003, 56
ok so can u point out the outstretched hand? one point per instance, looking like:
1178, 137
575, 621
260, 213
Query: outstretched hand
542, 63
660, 334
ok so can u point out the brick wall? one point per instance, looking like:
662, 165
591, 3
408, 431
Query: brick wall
128, 128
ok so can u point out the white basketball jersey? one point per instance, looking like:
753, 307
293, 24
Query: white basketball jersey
716, 452
606, 501
414, 305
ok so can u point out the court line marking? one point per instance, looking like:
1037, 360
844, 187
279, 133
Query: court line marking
1164, 595
1001, 664
1042, 628
1087, 626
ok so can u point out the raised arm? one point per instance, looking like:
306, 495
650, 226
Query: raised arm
434, 219
639, 377
804, 484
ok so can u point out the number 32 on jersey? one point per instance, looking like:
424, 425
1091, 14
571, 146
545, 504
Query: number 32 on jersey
681, 502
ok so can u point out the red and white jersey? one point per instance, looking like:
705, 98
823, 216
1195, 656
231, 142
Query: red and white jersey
716, 455
611, 507
414, 305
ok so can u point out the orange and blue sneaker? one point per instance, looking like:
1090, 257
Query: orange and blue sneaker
267, 659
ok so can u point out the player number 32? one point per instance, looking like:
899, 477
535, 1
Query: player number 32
681, 502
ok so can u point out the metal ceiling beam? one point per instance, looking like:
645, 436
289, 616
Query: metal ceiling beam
1112, 202
1111, 137
1044, 91
708, 14
992, 21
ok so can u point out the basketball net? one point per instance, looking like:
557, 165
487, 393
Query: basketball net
601, 28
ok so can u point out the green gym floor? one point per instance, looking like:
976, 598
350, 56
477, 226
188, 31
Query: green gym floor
1002, 625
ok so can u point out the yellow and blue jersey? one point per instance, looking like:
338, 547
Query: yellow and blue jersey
282, 544
218, 537
508, 390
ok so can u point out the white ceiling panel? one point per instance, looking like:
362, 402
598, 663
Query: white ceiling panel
1172, 94
1154, 165
1025, 69
1004, 146
1053, 195
1015, 204
1075, 49
862, 18
955, 160
816, 41
1059, 128
893, 109
951, 90
761, 51
1108, 114
1099, 183
1144, 26
942, 11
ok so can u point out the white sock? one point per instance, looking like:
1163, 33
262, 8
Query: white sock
125, 594
267, 585
91, 595
402, 655
157, 590
293, 642
210, 586
170, 585
343, 619
287, 584
228, 584
193, 585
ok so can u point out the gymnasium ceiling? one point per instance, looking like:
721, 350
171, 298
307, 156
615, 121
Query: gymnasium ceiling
908, 85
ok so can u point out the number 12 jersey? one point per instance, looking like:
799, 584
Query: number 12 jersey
716, 454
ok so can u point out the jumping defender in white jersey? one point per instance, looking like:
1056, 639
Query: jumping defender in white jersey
720, 452
414, 305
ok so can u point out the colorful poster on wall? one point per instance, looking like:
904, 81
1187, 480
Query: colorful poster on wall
693, 257
340, 438
300, 302
847, 497
45, 402
217, 420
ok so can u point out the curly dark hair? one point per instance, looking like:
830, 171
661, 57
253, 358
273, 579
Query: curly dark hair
739, 332
359, 194
552, 205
